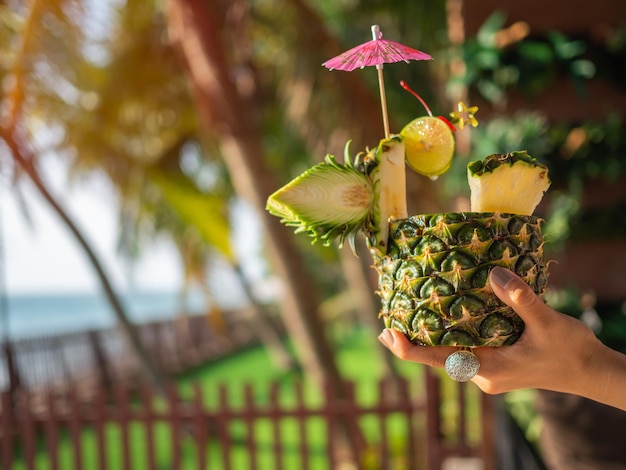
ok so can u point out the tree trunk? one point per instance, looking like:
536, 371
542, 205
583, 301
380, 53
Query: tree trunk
195, 26
130, 333
261, 325
580, 434
357, 272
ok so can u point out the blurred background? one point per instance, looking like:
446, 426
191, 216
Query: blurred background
139, 141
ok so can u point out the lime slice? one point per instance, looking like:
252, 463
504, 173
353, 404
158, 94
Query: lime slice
429, 145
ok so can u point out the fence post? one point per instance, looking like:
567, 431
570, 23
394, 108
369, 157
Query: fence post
122, 402
434, 451
104, 377
345, 438
300, 412
75, 426
149, 419
223, 434
488, 418
177, 424
7, 427
15, 381
52, 430
201, 429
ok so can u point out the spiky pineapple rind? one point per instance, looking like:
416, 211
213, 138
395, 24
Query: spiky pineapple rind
433, 282
493, 161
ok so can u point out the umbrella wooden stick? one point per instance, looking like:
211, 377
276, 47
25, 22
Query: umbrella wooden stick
381, 84
376, 52
383, 99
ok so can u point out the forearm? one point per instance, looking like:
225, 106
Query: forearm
603, 378
556, 352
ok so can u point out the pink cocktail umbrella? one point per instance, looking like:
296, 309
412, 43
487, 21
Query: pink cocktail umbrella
376, 52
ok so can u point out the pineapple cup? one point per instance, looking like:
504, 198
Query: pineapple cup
433, 269
433, 280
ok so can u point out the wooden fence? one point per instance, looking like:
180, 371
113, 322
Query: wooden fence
101, 357
282, 426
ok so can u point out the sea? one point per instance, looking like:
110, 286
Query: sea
25, 316
45, 315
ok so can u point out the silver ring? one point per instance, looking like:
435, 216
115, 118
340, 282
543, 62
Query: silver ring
462, 365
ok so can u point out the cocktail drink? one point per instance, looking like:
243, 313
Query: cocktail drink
433, 269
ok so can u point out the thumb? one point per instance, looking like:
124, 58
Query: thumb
514, 292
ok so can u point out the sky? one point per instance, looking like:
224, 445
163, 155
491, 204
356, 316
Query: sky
44, 257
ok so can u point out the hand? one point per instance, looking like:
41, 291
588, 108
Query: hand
555, 352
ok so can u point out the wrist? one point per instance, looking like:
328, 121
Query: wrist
603, 377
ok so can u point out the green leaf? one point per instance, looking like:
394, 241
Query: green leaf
564, 48
487, 59
492, 92
583, 68
205, 212
536, 51
486, 33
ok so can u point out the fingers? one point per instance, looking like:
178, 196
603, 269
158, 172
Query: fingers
510, 288
401, 347
514, 292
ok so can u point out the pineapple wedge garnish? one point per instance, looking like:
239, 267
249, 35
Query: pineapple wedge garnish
334, 201
508, 183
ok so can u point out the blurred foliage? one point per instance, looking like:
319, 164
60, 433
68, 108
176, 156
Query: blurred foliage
309, 111
500, 60
608, 320
99, 85
306, 117
597, 155
504, 59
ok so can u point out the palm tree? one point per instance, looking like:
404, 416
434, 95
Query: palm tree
126, 110
136, 133
234, 86
26, 163
23, 102
196, 29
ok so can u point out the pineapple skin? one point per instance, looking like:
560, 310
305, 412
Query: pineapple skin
433, 280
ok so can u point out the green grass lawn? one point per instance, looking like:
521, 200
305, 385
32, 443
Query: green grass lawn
359, 359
